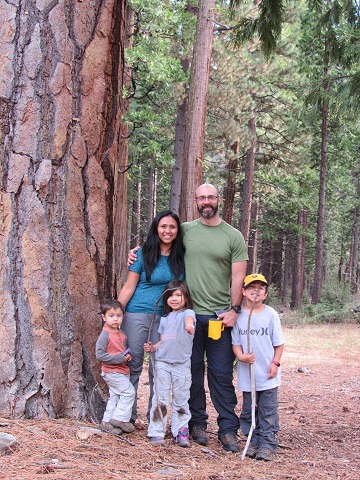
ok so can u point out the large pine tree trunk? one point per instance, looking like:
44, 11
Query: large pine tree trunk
196, 110
245, 208
176, 177
319, 255
62, 182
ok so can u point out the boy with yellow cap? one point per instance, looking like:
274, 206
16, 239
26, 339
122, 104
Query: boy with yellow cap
266, 347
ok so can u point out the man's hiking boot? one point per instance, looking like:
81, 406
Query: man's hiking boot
107, 427
126, 427
198, 434
229, 442
182, 438
251, 451
264, 454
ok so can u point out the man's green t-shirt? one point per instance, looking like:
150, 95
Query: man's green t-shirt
209, 253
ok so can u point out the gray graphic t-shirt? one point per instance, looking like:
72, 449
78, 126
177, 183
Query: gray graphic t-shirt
265, 334
176, 342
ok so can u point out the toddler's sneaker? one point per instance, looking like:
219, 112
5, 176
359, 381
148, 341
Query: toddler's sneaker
107, 427
182, 438
126, 427
157, 440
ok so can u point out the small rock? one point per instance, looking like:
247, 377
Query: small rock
86, 432
8, 443
303, 370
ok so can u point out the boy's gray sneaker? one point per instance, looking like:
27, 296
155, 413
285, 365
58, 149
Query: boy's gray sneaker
264, 454
229, 442
251, 451
107, 427
126, 427
198, 434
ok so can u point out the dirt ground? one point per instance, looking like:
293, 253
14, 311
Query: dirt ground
319, 437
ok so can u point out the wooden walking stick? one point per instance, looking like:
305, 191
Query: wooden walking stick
252, 381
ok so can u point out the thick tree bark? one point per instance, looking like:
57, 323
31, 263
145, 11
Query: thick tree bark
61, 183
196, 111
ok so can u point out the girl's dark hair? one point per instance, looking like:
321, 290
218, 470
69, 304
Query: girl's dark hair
109, 303
151, 248
169, 290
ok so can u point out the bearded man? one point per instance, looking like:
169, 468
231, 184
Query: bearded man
215, 267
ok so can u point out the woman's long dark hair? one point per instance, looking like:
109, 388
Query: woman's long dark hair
151, 249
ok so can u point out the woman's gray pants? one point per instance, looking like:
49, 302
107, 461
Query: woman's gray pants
136, 327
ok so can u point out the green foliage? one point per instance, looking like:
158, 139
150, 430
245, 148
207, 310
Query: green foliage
283, 94
267, 24
163, 32
334, 306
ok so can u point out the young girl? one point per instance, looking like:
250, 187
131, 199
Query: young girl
172, 365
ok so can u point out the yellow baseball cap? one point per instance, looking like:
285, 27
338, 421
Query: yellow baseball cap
254, 277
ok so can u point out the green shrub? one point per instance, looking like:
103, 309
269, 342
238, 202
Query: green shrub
334, 306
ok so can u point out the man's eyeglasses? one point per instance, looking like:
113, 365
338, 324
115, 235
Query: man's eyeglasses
211, 198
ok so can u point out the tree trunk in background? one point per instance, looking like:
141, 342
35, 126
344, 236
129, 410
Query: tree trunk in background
288, 268
230, 188
136, 216
175, 193
276, 274
152, 197
319, 255
266, 258
253, 238
121, 241
354, 257
62, 182
196, 111
245, 207
299, 264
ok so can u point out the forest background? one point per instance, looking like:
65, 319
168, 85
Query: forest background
112, 110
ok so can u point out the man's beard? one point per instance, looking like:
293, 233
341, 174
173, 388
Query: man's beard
209, 214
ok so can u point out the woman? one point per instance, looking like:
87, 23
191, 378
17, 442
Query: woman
160, 261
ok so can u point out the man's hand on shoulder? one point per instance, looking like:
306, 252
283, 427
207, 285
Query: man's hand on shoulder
132, 257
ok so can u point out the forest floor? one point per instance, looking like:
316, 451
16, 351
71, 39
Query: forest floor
319, 437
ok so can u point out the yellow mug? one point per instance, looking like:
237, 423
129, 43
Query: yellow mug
215, 328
